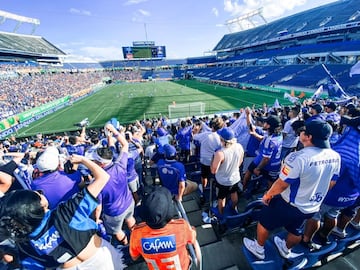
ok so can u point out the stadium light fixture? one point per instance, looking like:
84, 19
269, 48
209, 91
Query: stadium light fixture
248, 17
4, 15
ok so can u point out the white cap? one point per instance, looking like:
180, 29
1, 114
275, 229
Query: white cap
48, 160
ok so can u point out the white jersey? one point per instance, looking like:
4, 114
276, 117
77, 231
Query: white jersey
290, 140
228, 173
309, 173
209, 144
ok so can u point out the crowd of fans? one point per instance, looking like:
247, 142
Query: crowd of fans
271, 150
26, 90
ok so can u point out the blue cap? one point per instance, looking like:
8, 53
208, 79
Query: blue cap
161, 131
169, 150
226, 133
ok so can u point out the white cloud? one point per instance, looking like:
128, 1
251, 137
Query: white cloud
139, 15
144, 12
215, 11
101, 53
80, 11
134, 2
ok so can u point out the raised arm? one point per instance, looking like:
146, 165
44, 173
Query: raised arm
101, 177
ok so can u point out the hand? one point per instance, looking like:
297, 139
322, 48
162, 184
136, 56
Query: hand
76, 159
257, 171
266, 198
110, 128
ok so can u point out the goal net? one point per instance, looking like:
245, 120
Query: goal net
186, 109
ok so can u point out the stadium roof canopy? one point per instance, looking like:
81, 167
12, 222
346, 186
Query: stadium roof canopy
326, 20
20, 47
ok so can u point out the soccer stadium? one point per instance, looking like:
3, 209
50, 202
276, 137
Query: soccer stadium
308, 63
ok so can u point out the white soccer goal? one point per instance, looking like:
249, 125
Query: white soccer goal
186, 109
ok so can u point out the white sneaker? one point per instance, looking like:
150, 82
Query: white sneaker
282, 248
253, 246
338, 232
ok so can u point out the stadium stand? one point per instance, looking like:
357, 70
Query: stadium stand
286, 53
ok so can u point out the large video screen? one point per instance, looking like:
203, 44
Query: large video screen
144, 52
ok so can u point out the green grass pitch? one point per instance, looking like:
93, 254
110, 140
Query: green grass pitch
134, 101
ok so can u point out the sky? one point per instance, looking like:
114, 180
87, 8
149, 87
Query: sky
98, 29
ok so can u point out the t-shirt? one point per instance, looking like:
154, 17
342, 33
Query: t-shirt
308, 173
347, 187
270, 147
57, 186
63, 233
116, 196
163, 248
171, 172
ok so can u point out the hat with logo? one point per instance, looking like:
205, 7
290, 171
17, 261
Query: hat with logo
227, 134
157, 207
320, 132
48, 160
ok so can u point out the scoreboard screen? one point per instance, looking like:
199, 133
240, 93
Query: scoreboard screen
144, 52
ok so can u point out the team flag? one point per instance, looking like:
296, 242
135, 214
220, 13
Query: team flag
276, 104
317, 93
333, 87
291, 98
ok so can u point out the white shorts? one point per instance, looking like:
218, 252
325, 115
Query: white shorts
106, 258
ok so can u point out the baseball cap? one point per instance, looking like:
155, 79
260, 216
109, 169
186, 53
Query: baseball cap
157, 208
331, 105
317, 107
273, 121
320, 132
48, 160
97, 154
169, 150
226, 133
161, 131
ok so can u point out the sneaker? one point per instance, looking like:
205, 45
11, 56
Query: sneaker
253, 246
320, 239
282, 248
310, 245
339, 233
355, 225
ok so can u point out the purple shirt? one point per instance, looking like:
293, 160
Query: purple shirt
116, 196
57, 186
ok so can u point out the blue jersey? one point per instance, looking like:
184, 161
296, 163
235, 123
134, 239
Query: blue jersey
347, 187
171, 172
183, 138
253, 144
270, 147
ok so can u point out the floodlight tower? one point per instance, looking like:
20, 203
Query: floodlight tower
248, 17
4, 15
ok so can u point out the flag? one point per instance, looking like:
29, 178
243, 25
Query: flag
333, 87
317, 93
241, 129
355, 69
276, 104
291, 98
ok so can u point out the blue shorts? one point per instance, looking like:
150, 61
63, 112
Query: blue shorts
279, 213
